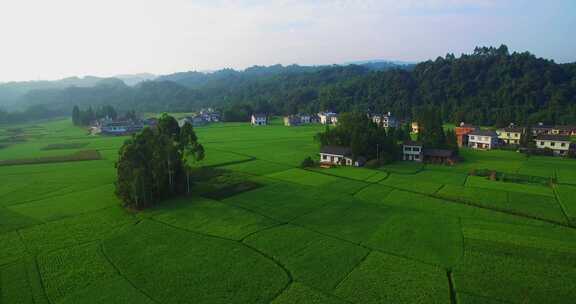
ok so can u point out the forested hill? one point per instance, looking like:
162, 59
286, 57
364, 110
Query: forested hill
489, 86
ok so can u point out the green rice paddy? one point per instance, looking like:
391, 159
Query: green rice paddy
405, 233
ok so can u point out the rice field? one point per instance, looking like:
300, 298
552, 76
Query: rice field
404, 233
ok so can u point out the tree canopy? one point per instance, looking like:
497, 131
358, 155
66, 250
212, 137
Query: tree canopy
155, 164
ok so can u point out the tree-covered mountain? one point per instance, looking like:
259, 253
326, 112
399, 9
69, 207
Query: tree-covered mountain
489, 86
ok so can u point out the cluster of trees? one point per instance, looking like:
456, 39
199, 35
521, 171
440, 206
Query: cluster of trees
32, 113
365, 138
431, 131
155, 164
491, 86
86, 117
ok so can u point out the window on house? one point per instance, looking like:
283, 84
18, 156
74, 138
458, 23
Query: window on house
563, 145
416, 149
472, 137
324, 157
416, 156
552, 144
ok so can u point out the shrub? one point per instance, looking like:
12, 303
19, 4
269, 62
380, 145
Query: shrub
373, 164
307, 163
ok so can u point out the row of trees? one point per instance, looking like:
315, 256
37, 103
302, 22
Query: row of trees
86, 117
156, 164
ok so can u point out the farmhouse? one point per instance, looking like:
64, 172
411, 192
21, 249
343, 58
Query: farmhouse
385, 120
412, 151
440, 156
328, 118
298, 119
120, 127
510, 135
541, 129
462, 132
559, 144
564, 130
338, 155
259, 119
193, 120
483, 140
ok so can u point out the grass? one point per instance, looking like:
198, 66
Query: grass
259, 229
384, 278
77, 156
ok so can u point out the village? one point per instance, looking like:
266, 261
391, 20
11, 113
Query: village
537, 140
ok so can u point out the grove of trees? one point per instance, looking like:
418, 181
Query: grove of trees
156, 164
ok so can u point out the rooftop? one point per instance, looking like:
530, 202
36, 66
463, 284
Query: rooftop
484, 133
336, 150
553, 137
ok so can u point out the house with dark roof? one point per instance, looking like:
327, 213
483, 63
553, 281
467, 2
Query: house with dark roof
510, 135
483, 140
385, 120
559, 144
440, 156
259, 119
338, 155
413, 151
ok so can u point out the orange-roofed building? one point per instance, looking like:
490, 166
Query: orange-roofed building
462, 132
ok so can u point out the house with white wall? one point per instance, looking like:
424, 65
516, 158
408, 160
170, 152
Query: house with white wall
559, 144
328, 118
412, 151
483, 140
338, 155
259, 119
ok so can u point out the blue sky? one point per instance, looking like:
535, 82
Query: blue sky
59, 38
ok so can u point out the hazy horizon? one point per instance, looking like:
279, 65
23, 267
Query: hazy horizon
64, 38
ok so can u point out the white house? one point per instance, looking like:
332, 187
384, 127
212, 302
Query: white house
385, 120
482, 140
412, 151
338, 155
259, 119
328, 118
559, 144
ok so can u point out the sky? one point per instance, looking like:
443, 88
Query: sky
53, 39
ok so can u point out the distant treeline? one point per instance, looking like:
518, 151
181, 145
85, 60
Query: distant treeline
488, 87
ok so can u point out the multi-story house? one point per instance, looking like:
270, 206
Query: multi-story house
559, 144
483, 140
412, 151
462, 132
385, 120
510, 135
328, 118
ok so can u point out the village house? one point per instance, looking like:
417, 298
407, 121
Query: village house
462, 132
328, 118
298, 119
338, 155
483, 140
385, 120
440, 156
564, 130
559, 144
120, 127
415, 151
209, 115
259, 119
412, 151
195, 121
541, 129
414, 127
292, 120
510, 135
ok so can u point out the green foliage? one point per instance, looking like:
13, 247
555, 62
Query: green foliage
152, 164
308, 162
383, 278
364, 137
